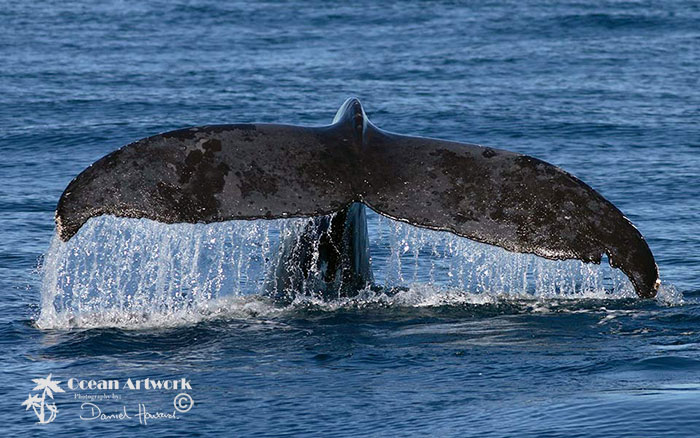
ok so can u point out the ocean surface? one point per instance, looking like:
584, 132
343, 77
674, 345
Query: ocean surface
458, 339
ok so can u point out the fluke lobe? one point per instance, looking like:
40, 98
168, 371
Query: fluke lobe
264, 171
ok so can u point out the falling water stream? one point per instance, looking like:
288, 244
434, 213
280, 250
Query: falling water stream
137, 272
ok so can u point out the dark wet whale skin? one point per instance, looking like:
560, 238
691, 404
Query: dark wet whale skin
329, 258
243, 171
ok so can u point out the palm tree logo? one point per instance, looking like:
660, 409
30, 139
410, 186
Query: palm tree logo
40, 404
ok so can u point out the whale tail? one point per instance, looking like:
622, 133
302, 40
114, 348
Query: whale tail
264, 171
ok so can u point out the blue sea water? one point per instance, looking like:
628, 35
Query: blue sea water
609, 90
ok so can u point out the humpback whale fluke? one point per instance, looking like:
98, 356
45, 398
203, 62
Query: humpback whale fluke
264, 171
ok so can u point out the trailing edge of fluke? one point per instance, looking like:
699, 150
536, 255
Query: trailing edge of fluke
264, 171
